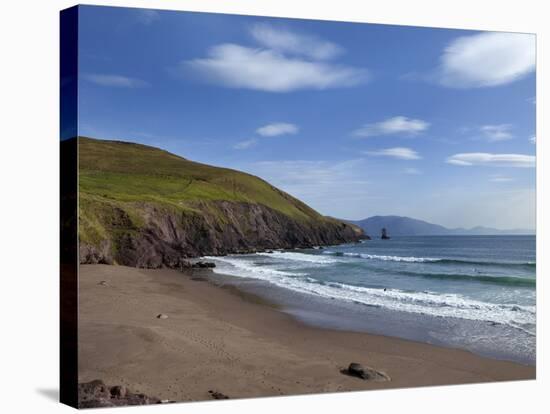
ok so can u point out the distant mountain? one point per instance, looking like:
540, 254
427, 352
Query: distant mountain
407, 226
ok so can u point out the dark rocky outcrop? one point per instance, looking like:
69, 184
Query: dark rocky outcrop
216, 395
96, 394
203, 265
365, 373
167, 238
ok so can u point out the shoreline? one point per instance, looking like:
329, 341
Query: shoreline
223, 339
324, 312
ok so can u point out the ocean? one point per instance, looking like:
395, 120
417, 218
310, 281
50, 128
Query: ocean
471, 292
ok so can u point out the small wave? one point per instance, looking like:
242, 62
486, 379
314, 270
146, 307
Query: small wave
430, 303
487, 263
300, 257
501, 280
251, 268
412, 259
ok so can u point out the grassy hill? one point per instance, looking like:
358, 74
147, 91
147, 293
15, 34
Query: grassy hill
138, 200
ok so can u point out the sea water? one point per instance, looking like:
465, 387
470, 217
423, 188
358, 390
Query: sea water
470, 292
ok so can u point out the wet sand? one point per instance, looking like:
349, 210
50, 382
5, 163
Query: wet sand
224, 340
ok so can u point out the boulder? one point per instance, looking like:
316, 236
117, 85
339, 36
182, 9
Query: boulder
204, 265
218, 395
357, 370
365, 373
119, 391
95, 394
162, 316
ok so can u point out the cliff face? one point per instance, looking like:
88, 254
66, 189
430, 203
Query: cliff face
167, 237
143, 207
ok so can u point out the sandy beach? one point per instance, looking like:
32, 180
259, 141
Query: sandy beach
221, 339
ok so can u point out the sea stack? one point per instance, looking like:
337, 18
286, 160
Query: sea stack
384, 235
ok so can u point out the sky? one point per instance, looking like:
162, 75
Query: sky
354, 119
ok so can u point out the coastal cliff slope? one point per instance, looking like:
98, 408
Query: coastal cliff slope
144, 207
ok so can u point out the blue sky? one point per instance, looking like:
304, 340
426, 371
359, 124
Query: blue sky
354, 119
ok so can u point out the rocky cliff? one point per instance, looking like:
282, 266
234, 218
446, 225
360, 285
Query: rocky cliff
144, 207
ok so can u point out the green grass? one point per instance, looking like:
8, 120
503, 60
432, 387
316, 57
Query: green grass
119, 176
129, 172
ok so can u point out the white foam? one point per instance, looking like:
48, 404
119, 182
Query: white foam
428, 303
301, 257
410, 259
250, 268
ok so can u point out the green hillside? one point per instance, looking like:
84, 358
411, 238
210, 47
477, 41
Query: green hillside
120, 184
132, 172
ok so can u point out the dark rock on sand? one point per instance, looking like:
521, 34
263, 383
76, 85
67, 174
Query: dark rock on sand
365, 373
357, 370
218, 395
95, 394
119, 391
162, 316
204, 265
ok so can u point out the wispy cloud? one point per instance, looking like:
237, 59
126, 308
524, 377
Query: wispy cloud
401, 153
236, 66
393, 126
488, 159
533, 140
285, 61
117, 81
277, 128
413, 171
246, 144
270, 130
497, 178
285, 41
147, 16
487, 59
501, 132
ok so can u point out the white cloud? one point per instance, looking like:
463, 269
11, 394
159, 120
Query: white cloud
286, 41
249, 143
392, 126
401, 153
147, 16
487, 59
236, 66
499, 132
277, 128
117, 81
269, 130
497, 178
487, 159
533, 139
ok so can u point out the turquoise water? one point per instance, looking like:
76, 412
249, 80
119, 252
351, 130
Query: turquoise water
474, 292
